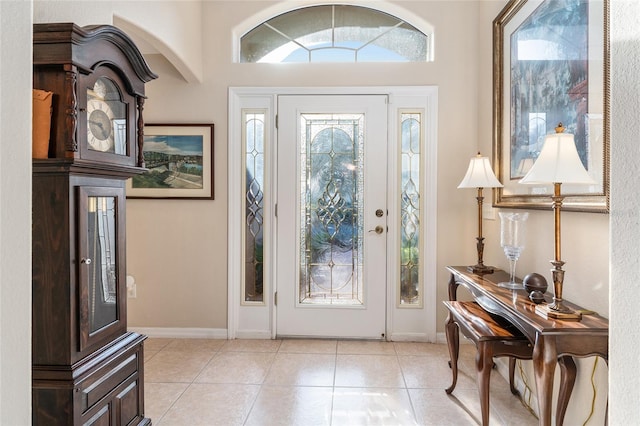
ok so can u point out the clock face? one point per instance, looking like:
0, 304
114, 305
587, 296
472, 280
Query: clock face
106, 118
100, 134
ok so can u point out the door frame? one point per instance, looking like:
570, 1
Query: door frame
258, 321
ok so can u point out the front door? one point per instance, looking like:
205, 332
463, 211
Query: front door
331, 269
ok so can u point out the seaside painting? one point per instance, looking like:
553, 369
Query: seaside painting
179, 163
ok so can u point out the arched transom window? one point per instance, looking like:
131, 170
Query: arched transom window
334, 33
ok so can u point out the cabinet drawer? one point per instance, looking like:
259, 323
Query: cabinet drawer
107, 378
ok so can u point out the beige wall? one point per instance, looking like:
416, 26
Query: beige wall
181, 269
187, 287
174, 28
185, 263
585, 249
585, 236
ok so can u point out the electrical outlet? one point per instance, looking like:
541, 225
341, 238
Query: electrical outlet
132, 291
131, 287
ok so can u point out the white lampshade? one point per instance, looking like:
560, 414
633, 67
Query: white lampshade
480, 174
558, 163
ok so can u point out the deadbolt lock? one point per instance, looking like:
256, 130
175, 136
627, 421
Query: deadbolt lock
379, 213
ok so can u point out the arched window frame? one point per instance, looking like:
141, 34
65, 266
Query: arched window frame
277, 10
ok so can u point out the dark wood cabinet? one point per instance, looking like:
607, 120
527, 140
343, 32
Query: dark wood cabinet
87, 368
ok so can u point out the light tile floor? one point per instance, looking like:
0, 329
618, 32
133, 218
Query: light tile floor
316, 382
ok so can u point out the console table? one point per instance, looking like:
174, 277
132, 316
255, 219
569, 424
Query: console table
555, 341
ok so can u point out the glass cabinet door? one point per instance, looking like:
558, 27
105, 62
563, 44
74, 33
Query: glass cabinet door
100, 262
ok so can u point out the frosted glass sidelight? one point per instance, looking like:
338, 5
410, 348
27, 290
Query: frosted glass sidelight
331, 211
254, 137
410, 287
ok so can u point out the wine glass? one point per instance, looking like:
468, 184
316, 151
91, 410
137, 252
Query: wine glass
512, 239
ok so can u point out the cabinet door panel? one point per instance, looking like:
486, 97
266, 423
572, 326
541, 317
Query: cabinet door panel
101, 418
101, 263
128, 401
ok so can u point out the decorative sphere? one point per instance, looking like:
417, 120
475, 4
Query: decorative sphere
535, 282
536, 296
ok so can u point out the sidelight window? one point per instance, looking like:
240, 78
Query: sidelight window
254, 138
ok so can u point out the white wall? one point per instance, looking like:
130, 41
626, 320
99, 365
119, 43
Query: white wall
625, 214
15, 212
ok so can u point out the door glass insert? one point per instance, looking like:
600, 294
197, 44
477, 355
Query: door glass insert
410, 291
331, 213
254, 207
102, 270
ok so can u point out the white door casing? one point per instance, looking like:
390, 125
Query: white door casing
403, 323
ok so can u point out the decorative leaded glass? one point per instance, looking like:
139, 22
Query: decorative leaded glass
102, 239
254, 207
334, 33
331, 213
410, 210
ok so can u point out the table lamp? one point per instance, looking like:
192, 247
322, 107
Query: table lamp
558, 163
480, 175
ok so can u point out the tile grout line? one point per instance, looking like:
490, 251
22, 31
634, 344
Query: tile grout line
262, 383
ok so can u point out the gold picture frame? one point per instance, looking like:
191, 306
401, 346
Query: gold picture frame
550, 65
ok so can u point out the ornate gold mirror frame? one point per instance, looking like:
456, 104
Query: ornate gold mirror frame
550, 65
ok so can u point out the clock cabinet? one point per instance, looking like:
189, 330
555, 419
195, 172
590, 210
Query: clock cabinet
87, 368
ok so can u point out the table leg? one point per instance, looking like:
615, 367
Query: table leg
453, 343
545, 358
512, 375
453, 287
568, 374
484, 365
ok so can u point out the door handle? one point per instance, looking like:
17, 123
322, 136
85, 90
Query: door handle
378, 229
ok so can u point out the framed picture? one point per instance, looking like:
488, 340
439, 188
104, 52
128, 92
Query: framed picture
551, 65
180, 162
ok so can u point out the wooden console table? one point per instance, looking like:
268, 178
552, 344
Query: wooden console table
555, 341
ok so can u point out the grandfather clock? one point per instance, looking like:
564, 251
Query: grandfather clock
87, 369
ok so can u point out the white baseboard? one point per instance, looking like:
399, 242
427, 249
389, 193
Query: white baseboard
253, 334
182, 333
221, 333
408, 337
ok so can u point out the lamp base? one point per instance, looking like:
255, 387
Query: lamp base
481, 269
545, 311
